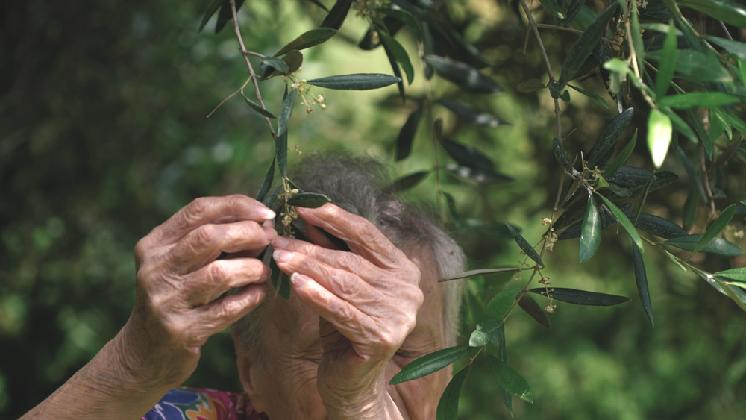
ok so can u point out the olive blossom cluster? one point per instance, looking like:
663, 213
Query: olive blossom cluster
358, 185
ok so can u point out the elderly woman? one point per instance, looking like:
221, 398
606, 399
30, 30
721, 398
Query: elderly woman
355, 316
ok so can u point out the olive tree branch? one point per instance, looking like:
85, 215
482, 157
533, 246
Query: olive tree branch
252, 74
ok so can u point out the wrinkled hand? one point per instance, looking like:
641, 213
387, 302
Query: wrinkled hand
367, 300
180, 282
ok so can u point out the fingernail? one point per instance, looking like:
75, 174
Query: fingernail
298, 279
266, 214
280, 242
282, 256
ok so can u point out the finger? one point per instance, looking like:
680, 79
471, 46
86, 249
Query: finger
344, 284
321, 238
214, 279
210, 319
346, 318
212, 210
361, 235
207, 242
337, 259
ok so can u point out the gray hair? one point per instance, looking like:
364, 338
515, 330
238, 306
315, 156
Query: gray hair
357, 185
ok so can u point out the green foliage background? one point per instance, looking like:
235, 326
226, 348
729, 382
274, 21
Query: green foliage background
103, 135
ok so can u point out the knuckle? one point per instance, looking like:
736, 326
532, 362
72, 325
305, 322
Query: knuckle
197, 207
203, 235
216, 272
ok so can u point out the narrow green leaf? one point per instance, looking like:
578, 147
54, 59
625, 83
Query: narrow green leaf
320, 5
525, 246
641, 279
429, 363
659, 136
680, 125
406, 182
471, 115
478, 165
500, 306
309, 200
467, 77
584, 46
636, 179
590, 234
637, 35
717, 246
405, 139
734, 274
729, 11
696, 65
667, 65
734, 47
502, 357
398, 53
514, 383
591, 95
281, 145
601, 151
698, 99
359, 81
448, 404
337, 15
561, 156
529, 306
267, 183
624, 221
226, 14
580, 297
308, 39
210, 10
717, 226
258, 108
622, 157
658, 226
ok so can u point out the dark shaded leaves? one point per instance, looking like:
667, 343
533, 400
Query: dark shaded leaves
266, 183
359, 81
624, 221
529, 305
481, 271
514, 383
467, 77
480, 166
308, 39
226, 14
405, 139
309, 199
601, 151
717, 226
429, 363
406, 182
698, 99
641, 279
448, 404
581, 297
717, 246
282, 131
397, 54
667, 65
525, 246
584, 46
258, 108
469, 114
729, 11
622, 157
337, 14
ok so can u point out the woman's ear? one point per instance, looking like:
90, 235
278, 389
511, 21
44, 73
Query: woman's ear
246, 370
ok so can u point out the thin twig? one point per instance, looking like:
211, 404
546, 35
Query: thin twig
252, 75
725, 29
227, 98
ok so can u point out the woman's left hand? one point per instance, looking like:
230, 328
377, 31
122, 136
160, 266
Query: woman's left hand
367, 299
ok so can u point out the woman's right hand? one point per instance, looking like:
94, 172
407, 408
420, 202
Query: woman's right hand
181, 284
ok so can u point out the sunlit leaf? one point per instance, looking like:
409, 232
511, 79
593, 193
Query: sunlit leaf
624, 221
659, 136
699, 99
308, 39
697, 65
580, 297
514, 383
729, 11
406, 182
359, 81
467, 77
601, 151
583, 47
734, 274
429, 363
448, 404
641, 279
337, 14
667, 64
717, 226
590, 236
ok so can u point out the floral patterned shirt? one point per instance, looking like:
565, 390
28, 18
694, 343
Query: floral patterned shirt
203, 404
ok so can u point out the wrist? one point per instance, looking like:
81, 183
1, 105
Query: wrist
369, 400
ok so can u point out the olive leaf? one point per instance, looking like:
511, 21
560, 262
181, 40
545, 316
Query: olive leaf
267, 183
529, 305
307, 39
405, 139
430, 363
590, 234
601, 151
717, 226
398, 54
667, 65
337, 15
514, 383
525, 246
309, 200
359, 81
462, 74
406, 182
282, 131
624, 221
580, 297
641, 280
481, 271
448, 403
734, 274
